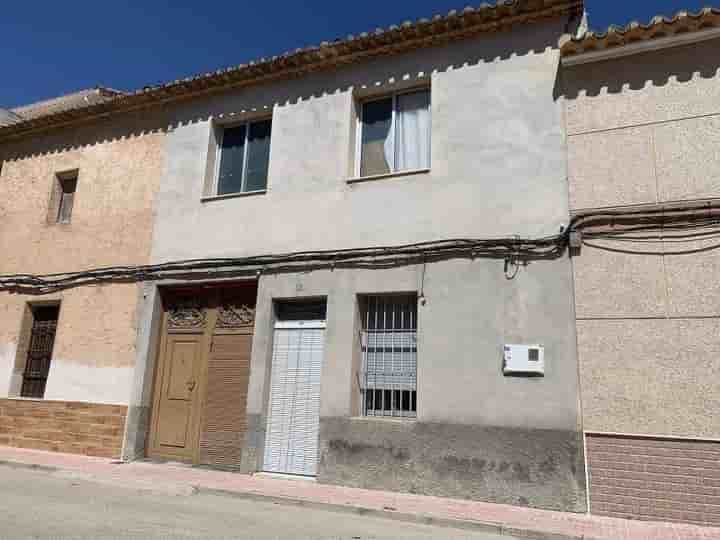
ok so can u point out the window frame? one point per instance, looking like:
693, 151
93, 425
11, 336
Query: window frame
66, 202
368, 407
219, 137
28, 329
58, 196
393, 127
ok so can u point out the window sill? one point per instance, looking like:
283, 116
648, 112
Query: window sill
396, 419
412, 172
211, 198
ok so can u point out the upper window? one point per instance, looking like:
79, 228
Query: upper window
395, 134
244, 155
68, 185
62, 198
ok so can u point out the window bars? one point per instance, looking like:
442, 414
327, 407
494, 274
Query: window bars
42, 339
389, 350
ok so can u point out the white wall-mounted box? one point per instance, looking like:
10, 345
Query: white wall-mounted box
524, 360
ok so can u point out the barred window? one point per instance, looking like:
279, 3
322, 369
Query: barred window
389, 351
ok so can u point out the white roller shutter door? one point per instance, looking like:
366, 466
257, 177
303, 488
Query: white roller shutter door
291, 443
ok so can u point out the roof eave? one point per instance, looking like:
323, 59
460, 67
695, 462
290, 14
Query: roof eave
656, 44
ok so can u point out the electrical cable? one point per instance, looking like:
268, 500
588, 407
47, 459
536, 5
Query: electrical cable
668, 223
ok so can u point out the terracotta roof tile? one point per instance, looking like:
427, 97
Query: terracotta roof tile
8, 117
683, 22
82, 98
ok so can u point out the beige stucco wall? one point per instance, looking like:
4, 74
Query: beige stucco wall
645, 129
120, 163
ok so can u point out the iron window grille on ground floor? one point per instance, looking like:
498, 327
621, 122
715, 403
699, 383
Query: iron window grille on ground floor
40, 349
389, 355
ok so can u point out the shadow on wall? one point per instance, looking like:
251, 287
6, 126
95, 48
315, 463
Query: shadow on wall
92, 133
383, 73
635, 72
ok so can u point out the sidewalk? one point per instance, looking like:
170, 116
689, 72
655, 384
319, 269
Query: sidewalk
501, 519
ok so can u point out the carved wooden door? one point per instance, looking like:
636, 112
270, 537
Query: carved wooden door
182, 357
202, 376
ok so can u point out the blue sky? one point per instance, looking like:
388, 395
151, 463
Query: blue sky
49, 47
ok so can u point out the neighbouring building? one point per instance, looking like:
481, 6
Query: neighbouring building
456, 257
74, 198
643, 127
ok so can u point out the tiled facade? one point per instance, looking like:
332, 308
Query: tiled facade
63, 426
643, 132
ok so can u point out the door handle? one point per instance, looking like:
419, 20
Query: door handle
191, 385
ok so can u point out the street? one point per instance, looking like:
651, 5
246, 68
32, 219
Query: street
55, 505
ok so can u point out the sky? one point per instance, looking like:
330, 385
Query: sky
49, 48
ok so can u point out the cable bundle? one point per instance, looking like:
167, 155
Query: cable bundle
658, 224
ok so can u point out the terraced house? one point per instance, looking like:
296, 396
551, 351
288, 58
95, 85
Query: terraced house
643, 130
360, 262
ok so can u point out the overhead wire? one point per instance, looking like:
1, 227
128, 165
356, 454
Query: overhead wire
658, 224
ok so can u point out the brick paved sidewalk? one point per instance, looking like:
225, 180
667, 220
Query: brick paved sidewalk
181, 479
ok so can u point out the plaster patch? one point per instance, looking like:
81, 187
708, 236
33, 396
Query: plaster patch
7, 361
68, 381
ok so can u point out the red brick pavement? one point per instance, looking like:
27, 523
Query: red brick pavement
179, 479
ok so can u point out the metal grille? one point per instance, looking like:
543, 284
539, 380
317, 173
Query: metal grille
42, 340
389, 350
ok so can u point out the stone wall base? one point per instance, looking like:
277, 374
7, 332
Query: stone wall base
535, 468
60, 426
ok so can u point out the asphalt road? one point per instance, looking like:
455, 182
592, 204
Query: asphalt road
50, 505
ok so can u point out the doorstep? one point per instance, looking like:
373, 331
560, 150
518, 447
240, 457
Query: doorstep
501, 519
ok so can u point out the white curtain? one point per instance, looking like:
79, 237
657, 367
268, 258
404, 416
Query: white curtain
412, 126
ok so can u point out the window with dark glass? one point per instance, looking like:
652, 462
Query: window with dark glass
244, 157
389, 355
68, 186
395, 134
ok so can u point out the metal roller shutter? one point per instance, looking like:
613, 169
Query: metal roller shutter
291, 444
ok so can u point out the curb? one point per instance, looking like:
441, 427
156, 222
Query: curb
499, 529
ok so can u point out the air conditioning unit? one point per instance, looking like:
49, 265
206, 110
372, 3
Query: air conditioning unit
524, 360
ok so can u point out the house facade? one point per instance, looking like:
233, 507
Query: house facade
380, 368
72, 199
406, 260
643, 133
360, 372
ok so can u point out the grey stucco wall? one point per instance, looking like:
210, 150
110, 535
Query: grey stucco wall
645, 129
498, 169
478, 434
526, 467
497, 141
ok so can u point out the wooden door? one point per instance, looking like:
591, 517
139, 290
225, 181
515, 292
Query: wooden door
178, 383
224, 411
202, 376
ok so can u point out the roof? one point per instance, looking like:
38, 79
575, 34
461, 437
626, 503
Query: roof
66, 102
683, 25
8, 117
440, 29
